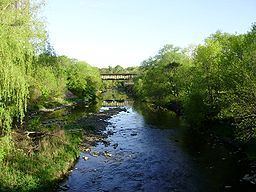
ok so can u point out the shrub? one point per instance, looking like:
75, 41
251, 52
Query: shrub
84, 80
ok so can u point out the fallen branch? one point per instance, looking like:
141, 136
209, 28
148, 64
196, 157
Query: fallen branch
30, 134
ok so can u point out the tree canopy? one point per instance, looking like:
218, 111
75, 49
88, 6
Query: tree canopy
216, 83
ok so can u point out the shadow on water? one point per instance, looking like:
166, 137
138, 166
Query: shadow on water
221, 165
158, 118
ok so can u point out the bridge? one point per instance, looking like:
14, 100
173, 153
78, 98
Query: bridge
117, 76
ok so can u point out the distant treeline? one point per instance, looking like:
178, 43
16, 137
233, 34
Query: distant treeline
214, 81
119, 69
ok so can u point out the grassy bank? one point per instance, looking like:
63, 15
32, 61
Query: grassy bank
36, 162
36, 155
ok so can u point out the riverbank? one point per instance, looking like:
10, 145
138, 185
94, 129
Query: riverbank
35, 163
40, 155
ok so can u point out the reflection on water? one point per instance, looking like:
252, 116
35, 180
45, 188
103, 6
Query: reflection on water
220, 165
158, 118
115, 98
114, 103
115, 95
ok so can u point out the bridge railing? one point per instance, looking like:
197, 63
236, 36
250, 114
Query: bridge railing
118, 76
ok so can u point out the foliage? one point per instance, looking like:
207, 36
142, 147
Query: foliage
158, 82
224, 76
84, 80
119, 69
48, 78
216, 82
31, 73
20, 33
46, 85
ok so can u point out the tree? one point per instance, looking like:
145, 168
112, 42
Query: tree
19, 37
158, 82
84, 80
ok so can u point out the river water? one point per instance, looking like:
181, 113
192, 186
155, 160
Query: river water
153, 151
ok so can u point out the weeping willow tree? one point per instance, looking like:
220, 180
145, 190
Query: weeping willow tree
20, 34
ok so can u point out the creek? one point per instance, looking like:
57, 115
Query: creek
152, 150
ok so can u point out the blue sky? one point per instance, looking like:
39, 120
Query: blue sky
125, 32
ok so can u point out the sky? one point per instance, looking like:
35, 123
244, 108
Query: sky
126, 32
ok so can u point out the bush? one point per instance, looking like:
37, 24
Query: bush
84, 80
158, 82
46, 85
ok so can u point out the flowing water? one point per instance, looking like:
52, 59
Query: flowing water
152, 151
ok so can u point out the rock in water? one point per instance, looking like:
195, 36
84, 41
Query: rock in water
115, 145
85, 158
107, 154
95, 154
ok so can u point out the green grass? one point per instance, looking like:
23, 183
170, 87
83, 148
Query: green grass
24, 168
